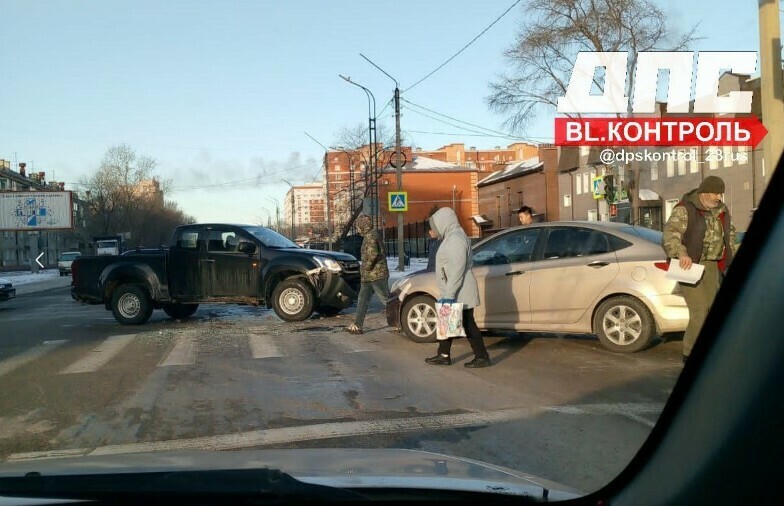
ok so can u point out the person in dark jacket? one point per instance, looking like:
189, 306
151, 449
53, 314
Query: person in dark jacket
373, 270
700, 231
456, 283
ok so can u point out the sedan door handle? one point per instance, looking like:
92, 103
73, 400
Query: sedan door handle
598, 263
514, 273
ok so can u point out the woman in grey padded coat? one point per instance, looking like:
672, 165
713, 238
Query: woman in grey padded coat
456, 283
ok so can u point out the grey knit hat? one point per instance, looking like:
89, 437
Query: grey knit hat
711, 184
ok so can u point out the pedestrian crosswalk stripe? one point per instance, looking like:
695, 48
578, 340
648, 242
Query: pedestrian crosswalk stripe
263, 347
13, 363
100, 355
183, 353
350, 343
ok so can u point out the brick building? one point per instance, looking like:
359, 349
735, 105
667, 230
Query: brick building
533, 182
486, 160
307, 201
430, 182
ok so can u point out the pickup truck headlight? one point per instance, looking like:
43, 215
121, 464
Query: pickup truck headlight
328, 263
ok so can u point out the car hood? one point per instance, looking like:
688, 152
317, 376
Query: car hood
341, 468
5, 281
336, 255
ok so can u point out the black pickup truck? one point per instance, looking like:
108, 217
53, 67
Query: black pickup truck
217, 263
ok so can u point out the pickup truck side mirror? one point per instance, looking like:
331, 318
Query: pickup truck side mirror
247, 247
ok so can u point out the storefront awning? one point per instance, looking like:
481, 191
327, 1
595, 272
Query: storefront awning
646, 194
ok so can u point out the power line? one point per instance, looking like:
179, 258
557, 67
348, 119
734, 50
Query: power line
484, 134
472, 135
464, 47
245, 180
503, 134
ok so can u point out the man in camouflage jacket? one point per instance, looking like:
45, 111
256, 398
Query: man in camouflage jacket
700, 231
373, 270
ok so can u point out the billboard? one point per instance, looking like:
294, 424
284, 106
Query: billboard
23, 211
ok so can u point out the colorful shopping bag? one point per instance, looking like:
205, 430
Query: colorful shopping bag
449, 320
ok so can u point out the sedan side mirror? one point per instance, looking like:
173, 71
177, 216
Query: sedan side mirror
247, 247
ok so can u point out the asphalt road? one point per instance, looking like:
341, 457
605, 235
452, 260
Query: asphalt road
73, 381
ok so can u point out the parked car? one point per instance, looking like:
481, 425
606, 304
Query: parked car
7, 290
218, 263
587, 277
65, 261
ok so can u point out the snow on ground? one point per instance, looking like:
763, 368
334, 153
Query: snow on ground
417, 264
19, 278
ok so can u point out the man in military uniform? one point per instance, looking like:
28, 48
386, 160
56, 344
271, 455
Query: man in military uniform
373, 270
700, 231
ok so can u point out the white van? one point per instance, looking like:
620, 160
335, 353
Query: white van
65, 261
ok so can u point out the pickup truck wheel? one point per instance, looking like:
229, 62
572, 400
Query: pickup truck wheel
131, 305
293, 300
180, 311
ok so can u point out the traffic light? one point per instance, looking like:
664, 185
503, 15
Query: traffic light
609, 188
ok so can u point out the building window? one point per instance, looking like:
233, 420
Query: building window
693, 164
579, 184
593, 175
592, 215
336, 167
670, 166
584, 150
712, 154
567, 200
654, 171
727, 156
586, 183
681, 163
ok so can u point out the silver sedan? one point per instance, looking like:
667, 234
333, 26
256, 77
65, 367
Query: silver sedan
590, 277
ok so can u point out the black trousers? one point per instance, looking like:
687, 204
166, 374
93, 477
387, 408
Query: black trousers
472, 334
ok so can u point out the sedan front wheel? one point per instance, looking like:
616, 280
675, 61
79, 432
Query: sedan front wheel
419, 319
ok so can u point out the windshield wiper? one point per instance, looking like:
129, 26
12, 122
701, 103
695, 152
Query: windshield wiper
267, 483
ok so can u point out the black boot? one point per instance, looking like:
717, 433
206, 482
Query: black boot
439, 360
478, 362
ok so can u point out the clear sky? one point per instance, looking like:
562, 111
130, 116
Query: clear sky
219, 91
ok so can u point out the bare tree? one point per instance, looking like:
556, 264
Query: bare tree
123, 196
554, 31
354, 142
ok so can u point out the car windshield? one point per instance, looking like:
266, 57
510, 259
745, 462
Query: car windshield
270, 238
393, 241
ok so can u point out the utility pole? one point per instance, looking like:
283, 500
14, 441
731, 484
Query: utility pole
398, 169
771, 82
291, 190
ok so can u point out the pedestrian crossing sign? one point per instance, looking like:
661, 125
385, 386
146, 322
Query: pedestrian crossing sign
398, 201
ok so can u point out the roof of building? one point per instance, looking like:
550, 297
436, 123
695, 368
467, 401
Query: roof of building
425, 163
515, 169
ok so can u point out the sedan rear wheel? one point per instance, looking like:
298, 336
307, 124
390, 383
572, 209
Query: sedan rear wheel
623, 324
419, 319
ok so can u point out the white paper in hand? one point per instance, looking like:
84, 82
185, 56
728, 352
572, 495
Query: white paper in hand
690, 276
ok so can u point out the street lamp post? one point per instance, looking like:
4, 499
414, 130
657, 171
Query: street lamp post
326, 192
277, 213
373, 149
398, 166
293, 233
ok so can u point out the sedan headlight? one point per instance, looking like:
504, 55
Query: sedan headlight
328, 263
